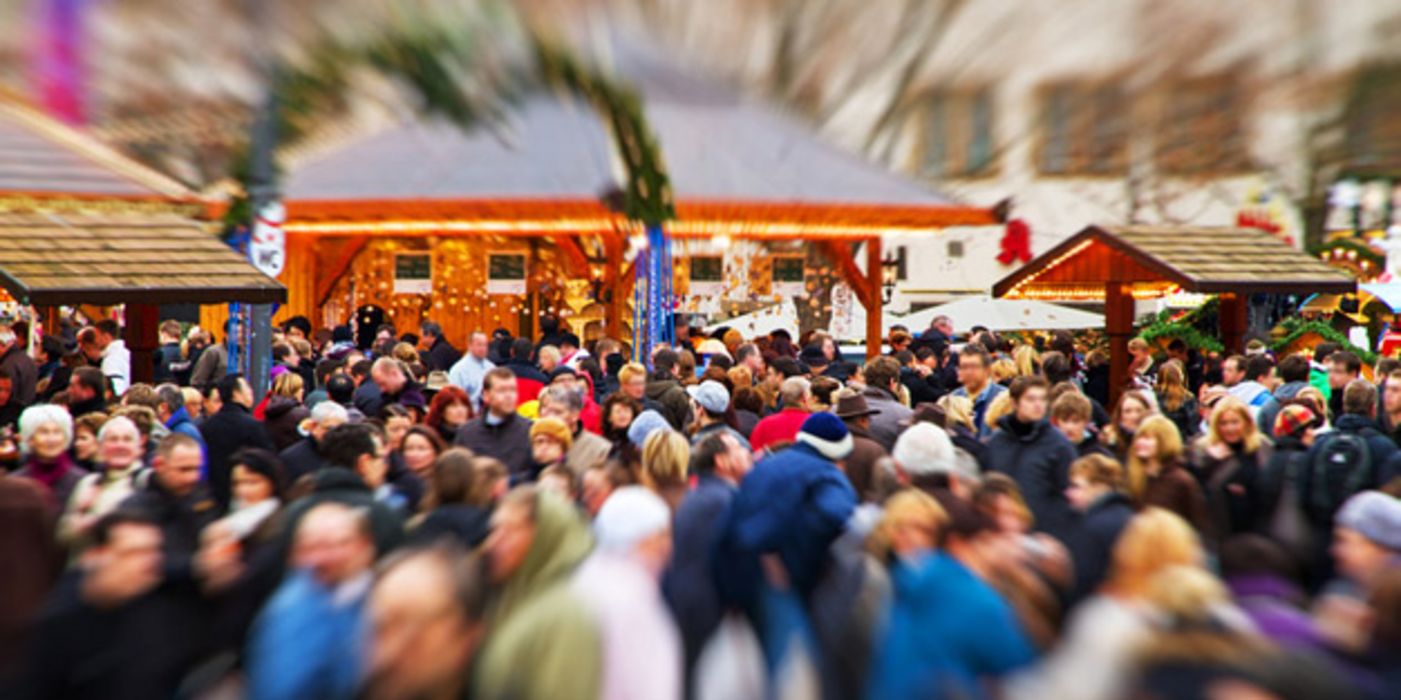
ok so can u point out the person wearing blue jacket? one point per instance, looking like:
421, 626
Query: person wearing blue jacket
948, 630
310, 640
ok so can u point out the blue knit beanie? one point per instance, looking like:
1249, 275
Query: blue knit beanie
643, 425
827, 434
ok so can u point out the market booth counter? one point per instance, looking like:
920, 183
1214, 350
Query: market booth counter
1121, 264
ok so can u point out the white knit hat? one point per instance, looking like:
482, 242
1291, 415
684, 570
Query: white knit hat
630, 515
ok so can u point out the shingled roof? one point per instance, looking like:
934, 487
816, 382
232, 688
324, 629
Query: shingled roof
1206, 260
48, 259
42, 157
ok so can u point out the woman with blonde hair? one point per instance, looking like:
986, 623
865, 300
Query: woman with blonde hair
1027, 360
958, 423
1093, 660
665, 455
282, 411
1175, 398
999, 407
1228, 461
909, 526
1156, 475
1003, 372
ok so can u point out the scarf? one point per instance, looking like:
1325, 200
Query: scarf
49, 473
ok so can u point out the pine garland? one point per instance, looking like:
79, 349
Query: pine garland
1187, 333
1295, 328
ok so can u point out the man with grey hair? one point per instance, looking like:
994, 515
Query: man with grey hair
586, 449
173, 415
304, 456
468, 372
17, 365
795, 395
439, 355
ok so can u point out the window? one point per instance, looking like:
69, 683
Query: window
413, 273
955, 249
789, 275
707, 275
505, 273
1082, 130
1202, 127
957, 134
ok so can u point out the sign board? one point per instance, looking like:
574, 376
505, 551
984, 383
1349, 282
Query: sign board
413, 273
707, 275
267, 247
789, 275
505, 273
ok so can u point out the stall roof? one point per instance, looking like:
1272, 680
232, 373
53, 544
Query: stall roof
1156, 260
42, 157
547, 148
50, 259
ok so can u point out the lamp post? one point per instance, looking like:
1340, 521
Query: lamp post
890, 269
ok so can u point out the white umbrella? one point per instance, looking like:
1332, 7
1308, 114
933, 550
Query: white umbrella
1003, 315
763, 321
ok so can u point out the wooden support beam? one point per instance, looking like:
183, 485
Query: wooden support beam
1232, 321
327, 277
574, 255
1118, 325
872, 300
612, 268
142, 338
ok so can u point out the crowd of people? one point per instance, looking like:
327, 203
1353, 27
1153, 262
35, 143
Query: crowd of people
964, 516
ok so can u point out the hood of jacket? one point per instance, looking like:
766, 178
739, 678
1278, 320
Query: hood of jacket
335, 478
657, 386
279, 406
562, 540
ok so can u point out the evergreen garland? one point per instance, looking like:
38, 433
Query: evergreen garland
1295, 328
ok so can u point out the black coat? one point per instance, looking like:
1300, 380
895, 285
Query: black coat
1038, 458
466, 525
341, 485
508, 441
301, 459
441, 356
1092, 541
141, 649
225, 432
181, 518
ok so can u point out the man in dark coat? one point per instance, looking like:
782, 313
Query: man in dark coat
87, 392
664, 388
719, 462
389, 382
441, 355
1036, 456
304, 457
111, 630
882, 381
351, 451
866, 453
16, 363
172, 493
233, 427
500, 432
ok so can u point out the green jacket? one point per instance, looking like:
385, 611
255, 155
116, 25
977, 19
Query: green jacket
541, 642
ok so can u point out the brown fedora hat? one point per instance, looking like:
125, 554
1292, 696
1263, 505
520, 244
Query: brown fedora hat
853, 406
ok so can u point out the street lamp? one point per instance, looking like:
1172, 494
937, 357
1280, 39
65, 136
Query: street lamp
890, 268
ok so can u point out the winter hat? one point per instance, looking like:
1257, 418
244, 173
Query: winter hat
813, 355
1373, 515
1293, 420
643, 425
562, 370
553, 428
827, 434
925, 449
711, 395
630, 515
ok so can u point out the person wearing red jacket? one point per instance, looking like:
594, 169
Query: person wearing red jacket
781, 428
529, 379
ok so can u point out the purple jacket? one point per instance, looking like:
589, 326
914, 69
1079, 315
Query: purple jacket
1269, 601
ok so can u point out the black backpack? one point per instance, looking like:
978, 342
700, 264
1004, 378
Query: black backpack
1341, 467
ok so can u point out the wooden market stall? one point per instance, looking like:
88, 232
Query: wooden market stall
83, 226
1122, 264
508, 220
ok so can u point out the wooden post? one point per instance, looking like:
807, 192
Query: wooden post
142, 338
1232, 322
1118, 325
53, 320
874, 332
